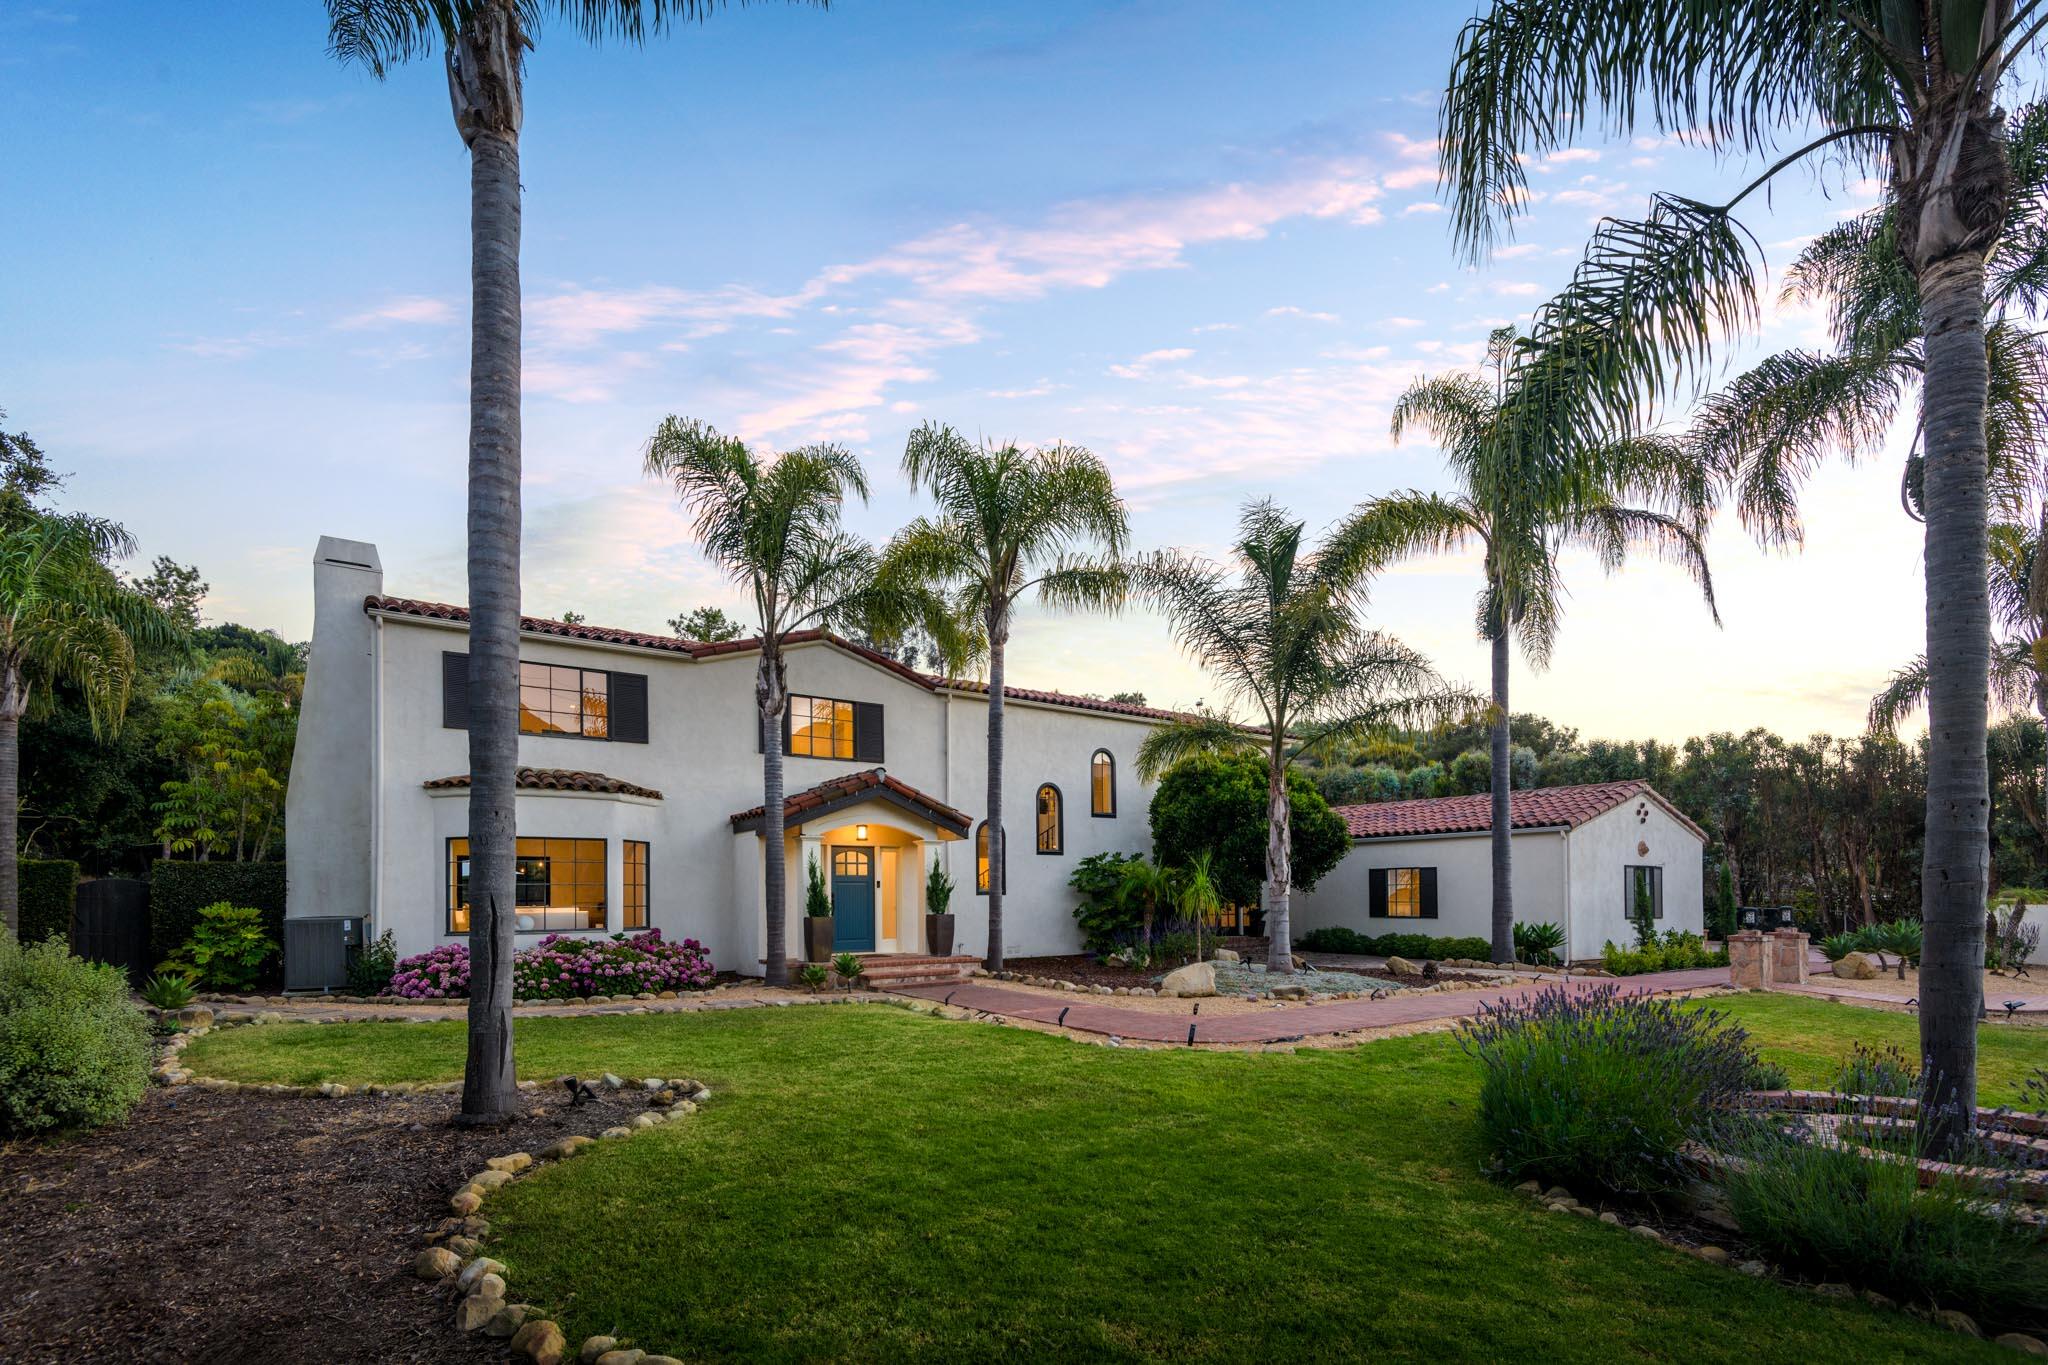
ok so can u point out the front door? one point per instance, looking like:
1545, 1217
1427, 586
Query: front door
853, 900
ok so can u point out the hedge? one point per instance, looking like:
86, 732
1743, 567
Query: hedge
49, 889
178, 891
1417, 947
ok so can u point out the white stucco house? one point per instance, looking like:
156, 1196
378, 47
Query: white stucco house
640, 788
1580, 853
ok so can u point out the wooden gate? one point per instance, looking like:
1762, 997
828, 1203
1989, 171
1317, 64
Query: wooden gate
110, 923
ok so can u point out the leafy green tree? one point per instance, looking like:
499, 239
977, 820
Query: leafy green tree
65, 617
709, 624
1286, 640
1009, 521
1908, 91
1524, 497
772, 524
235, 748
1216, 803
177, 589
483, 45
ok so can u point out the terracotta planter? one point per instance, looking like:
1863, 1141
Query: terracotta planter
817, 938
938, 935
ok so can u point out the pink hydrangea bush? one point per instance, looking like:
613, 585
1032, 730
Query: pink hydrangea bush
559, 968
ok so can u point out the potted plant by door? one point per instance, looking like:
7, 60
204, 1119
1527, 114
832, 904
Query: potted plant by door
938, 917
817, 916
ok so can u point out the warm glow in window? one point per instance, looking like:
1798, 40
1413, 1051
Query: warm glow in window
1404, 892
636, 885
981, 859
564, 701
559, 885
1102, 784
820, 727
1048, 819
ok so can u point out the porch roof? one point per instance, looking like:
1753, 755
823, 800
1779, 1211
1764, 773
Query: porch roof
873, 784
556, 780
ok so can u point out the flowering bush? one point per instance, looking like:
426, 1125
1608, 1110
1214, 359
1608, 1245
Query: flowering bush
559, 968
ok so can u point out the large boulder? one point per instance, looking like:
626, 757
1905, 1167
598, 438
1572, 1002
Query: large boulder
1401, 966
1855, 967
1195, 979
1225, 955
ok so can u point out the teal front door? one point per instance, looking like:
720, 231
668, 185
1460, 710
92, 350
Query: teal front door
853, 900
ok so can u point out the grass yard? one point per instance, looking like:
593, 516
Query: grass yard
873, 1184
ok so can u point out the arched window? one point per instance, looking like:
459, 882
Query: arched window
1102, 785
1050, 831
981, 859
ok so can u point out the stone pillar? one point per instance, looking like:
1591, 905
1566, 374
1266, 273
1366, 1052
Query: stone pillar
1746, 960
1788, 957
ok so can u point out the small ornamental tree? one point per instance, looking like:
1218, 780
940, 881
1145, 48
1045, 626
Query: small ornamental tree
1218, 802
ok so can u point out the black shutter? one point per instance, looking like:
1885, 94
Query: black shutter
1429, 893
785, 726
454, 691
867, 732
1376, 897
629, 708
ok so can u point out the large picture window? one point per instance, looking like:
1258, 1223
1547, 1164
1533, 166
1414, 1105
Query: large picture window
1102, 784
1643, 883
1051, 835
559, 885
636, 874
1402, 893
554, 700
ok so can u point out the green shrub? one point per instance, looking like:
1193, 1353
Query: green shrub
1417, 947
49, 890
1106, 918
1839, 946
1877, 1071
74, 1051
1721, 914
179, 891
1536, 943
1677, 951
1602, 1088
1218, 803
1334, 938
371, 970
167, 991
1836, 1214
227, 948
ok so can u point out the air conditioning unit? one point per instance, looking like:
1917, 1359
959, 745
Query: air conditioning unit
317, 951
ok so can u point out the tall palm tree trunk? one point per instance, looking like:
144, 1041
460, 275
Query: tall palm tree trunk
1503, 826
13, 704
483, 82
1958, 669
1279, 864
998, 637
768, 696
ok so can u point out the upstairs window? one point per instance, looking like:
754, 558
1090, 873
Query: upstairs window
828, 727
1102, 784
554, 700
1050, 833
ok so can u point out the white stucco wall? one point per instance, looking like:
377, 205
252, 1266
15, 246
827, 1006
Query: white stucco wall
1464, 885
1638, 832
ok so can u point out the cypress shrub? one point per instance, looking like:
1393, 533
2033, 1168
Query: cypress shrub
49, 890
179, 891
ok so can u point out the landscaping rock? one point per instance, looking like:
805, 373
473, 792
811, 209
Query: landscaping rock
514, 1162
1755, 1269
628, 1356
659, 1360
1401, 966
463, 1246
1714, 1255
1877, 1300
593, 1347
1855, 967
1644, 1230
1559, 1194
1957, 1321
507, 1320
1225, 955
1612, 1218
1834, 1291
476, 1270
565, 1148
436, 1263
2020, 1341
617, 1131
1192, 981
1529, 1187
196, 1017
491, 1179
611, 1082
645, 1120
476, 1310
466, 1202
541, 1342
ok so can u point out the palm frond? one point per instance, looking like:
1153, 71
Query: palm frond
1170, 743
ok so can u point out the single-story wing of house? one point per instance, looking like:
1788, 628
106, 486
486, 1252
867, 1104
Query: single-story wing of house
1582, 856
640, 788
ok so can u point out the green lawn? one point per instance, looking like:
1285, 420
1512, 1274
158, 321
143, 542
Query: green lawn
873, 1184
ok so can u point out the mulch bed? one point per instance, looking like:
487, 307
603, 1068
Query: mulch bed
234, 1227
1084, 970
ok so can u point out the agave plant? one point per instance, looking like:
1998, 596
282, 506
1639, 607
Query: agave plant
850, 968
812, 976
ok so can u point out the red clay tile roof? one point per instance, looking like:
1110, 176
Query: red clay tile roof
836, 792
557, 780
1542, 808
700, 649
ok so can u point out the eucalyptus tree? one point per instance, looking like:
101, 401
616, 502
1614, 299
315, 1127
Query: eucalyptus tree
483, 45
1285, 638
772, 524
1905, 89
1524, 505
65, 618
1009, 521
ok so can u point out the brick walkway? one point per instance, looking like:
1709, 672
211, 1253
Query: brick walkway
1094, 1013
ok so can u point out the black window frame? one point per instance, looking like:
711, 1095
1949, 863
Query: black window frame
1109, 814
1426, 892
870, 722
646, 884
452, 881
582, 690
625, 701
1059, 821
980, 887
1628, 890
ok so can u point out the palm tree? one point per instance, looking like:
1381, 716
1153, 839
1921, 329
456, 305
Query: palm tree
1009, 520
483, 44
1286, 641
1908, 91
65, 617
772, 523
1524, 506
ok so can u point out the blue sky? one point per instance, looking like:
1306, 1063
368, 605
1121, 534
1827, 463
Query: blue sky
1202, 242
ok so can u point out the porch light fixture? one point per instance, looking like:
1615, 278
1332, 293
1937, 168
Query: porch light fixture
1749, 917
860, 834
1784, 917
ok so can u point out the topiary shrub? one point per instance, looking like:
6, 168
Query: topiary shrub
1218, 803
179, 891
1602, 1089
74, 1052
49, 891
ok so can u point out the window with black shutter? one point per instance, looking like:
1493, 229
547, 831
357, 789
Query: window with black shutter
454, 691
584, 703
629, 708
832, 727
1402, 892
867, 731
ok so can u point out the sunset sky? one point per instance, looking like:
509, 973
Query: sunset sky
1204, 243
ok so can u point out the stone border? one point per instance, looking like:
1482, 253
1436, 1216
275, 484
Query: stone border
1558, 1199
454, 1251
1055, 983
